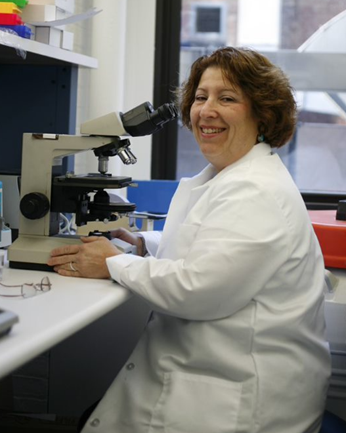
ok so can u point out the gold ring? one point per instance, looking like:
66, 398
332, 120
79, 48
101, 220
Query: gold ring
72, 267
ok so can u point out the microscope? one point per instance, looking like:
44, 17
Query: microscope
45, 195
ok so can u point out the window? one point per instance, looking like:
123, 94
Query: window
207, 23
208, 20
285, 30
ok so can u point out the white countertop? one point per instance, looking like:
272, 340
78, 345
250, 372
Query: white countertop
47, 319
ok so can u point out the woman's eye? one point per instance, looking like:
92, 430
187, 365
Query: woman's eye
227, 99
200, 98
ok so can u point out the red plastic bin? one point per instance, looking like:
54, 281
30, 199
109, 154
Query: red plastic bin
10, 19
331, 234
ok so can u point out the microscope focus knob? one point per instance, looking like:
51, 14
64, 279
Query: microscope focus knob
34, 205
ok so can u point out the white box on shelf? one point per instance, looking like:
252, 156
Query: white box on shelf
67, 39
48, 35
43, 13
66, 5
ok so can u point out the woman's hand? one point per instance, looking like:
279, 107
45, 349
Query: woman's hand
131, 238
87, 260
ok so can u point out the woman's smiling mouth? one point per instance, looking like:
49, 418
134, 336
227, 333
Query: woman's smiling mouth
211, 130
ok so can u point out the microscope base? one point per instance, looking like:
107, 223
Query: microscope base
31, 266
33, 252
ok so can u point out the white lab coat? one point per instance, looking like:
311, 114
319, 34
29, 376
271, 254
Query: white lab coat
236, 342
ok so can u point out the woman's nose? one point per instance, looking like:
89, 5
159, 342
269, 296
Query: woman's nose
208, 109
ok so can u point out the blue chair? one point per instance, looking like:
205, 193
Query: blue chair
332, 424
153, 196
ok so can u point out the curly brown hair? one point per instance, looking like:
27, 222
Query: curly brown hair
265, 84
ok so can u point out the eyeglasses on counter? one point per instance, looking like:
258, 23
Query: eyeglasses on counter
25, 290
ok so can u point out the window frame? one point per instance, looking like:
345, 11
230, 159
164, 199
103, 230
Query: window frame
166, 79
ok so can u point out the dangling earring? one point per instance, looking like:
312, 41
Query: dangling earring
260, 138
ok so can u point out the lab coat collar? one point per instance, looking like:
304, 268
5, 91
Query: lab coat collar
201, 178
259, 150
209, 173
191, 189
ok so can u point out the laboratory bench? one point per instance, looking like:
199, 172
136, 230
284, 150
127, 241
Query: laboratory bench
68, 344
47, 318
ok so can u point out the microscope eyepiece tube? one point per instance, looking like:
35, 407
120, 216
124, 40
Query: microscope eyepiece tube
163, 114
144, 120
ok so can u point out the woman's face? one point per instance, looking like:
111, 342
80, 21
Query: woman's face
222, 120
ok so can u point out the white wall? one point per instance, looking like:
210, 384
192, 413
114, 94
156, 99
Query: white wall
122, 38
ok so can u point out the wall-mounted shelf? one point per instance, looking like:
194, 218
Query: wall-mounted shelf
38, 53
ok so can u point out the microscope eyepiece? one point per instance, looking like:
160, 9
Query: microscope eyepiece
144, 120
163, 114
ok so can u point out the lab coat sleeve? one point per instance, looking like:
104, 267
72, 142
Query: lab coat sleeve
152, 240
228, 254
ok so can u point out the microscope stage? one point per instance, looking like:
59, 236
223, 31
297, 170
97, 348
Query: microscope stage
93, 181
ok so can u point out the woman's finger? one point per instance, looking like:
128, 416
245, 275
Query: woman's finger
61, 260
65, 250
66, 272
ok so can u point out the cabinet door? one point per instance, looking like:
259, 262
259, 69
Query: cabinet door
34, 98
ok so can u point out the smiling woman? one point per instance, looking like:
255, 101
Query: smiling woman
222, 120
235, 281
252, 82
